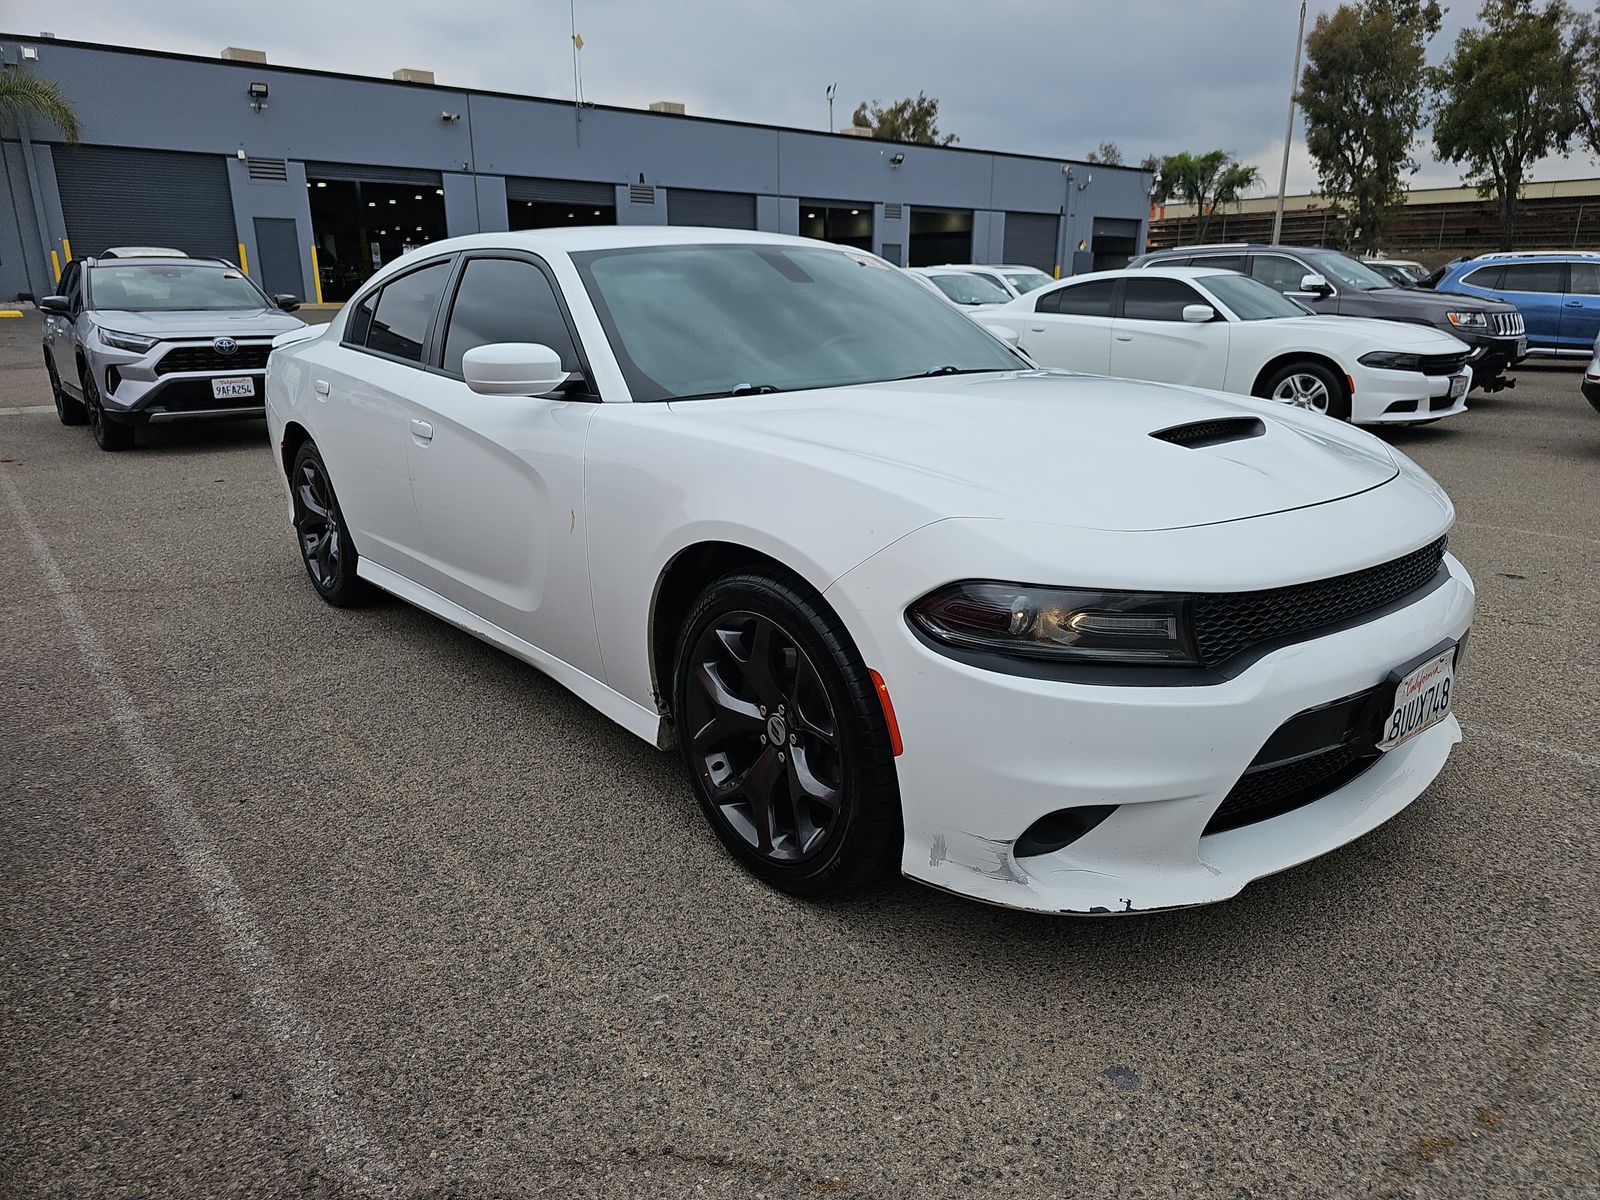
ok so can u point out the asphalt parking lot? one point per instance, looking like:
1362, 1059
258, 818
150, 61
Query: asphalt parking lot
301, 901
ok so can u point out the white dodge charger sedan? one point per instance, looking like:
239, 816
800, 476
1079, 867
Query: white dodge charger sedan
1065, 643
1213, 328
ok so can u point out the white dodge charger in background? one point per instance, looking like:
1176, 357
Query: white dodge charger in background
1065, 643
1211, 328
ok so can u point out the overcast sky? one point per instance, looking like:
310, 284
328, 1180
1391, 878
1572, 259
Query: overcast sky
1050, 77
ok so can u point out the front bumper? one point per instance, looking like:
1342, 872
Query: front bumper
988, 753
136, 387
1492, 357
1406, 397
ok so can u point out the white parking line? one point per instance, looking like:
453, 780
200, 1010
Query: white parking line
26, 409
1511, 739
312, 1077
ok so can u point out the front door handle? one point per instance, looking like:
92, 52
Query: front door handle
1124, 337
322, 387
421, 430
1035, 328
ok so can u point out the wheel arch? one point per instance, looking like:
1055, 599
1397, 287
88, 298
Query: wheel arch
1291, 357
295, 435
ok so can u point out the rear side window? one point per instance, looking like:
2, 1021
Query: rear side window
1485, 277
355, 332
1157, 299
1080, 300
1534, 277
405, 307
1222, 262
1584, 279
506, 300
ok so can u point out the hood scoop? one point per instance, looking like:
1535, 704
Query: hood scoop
1214, 432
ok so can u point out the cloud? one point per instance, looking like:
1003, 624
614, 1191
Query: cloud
1154, 76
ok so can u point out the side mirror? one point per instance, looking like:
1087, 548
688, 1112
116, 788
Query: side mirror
1199, 314
287, 301
1009, 336
512, 369
1315, 285
54, 304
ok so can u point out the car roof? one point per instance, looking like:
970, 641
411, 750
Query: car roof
1558, 255
1149, 272
995, 267
945, 270
159, 260
607, 237
141, 252
1246, 247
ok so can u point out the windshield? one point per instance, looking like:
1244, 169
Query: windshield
1348, 271
1027, 281
696, 321
1250, 299
188, 287
971, 289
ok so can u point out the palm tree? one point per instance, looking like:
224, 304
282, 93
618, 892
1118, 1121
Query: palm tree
24, 94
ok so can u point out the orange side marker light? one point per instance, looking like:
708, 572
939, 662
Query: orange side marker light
895, 744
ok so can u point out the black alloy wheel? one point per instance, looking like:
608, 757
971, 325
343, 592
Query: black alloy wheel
780, 725
325, 546
69, 411
109, 433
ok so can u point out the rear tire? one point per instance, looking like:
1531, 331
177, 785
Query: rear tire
69, 411
780, 725
1308, 385
110, 433
329, 555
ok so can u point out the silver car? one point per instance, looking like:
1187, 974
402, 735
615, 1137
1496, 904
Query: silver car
134, 340
1591, 378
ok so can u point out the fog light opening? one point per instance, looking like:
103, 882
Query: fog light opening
1059, 829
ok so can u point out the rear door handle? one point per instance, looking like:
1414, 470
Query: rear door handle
1574, 303
421, 430
322, 387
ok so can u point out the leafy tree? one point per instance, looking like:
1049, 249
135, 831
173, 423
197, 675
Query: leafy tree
1205, 181
914, 119
24, 94
1156, 165
1589, 87
1362, 93
1107, 153
1510, 95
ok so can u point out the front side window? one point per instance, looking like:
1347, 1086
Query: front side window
1534, 277
404, 309
1277, 272
713, 320
506, 300
1341, 268
1157, 299
172, 287
1092, 299
72, 286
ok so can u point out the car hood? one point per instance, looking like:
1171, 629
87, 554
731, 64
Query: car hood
1423, 305
1382, 335
250, 322
1052, 446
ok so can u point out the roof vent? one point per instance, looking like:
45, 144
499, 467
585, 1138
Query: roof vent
243, 54
855, 131
1212, 433
641, 193
675, 107
413, 75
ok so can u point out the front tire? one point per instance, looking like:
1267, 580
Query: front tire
1311, 386
779, 722
110, 433
69, 411
329, 555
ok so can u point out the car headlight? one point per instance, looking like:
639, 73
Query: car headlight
1468, 320
126, 341
1064, 624
1391, 360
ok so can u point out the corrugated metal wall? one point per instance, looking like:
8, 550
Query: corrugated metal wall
561, 191
722, 210
1031, 239
112, 196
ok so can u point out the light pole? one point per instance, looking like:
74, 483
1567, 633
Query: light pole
1288, 131
832, 88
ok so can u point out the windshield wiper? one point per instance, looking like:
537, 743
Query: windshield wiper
931, 371
738, 389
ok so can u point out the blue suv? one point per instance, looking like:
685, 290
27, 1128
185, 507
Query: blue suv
1558, 294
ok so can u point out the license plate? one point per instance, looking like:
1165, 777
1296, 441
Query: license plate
233, 389
1458, 387
1421, 700
1522, 347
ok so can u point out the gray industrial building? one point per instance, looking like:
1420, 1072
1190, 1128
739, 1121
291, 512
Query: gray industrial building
314, 179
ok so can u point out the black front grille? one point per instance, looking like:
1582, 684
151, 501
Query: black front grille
1310, 755
204, 358
1228, 623
1443, 364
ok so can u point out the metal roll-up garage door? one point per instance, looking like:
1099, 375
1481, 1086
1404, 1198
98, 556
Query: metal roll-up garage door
112, 196
368, 174
723, 210
1031, 240
561, 191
